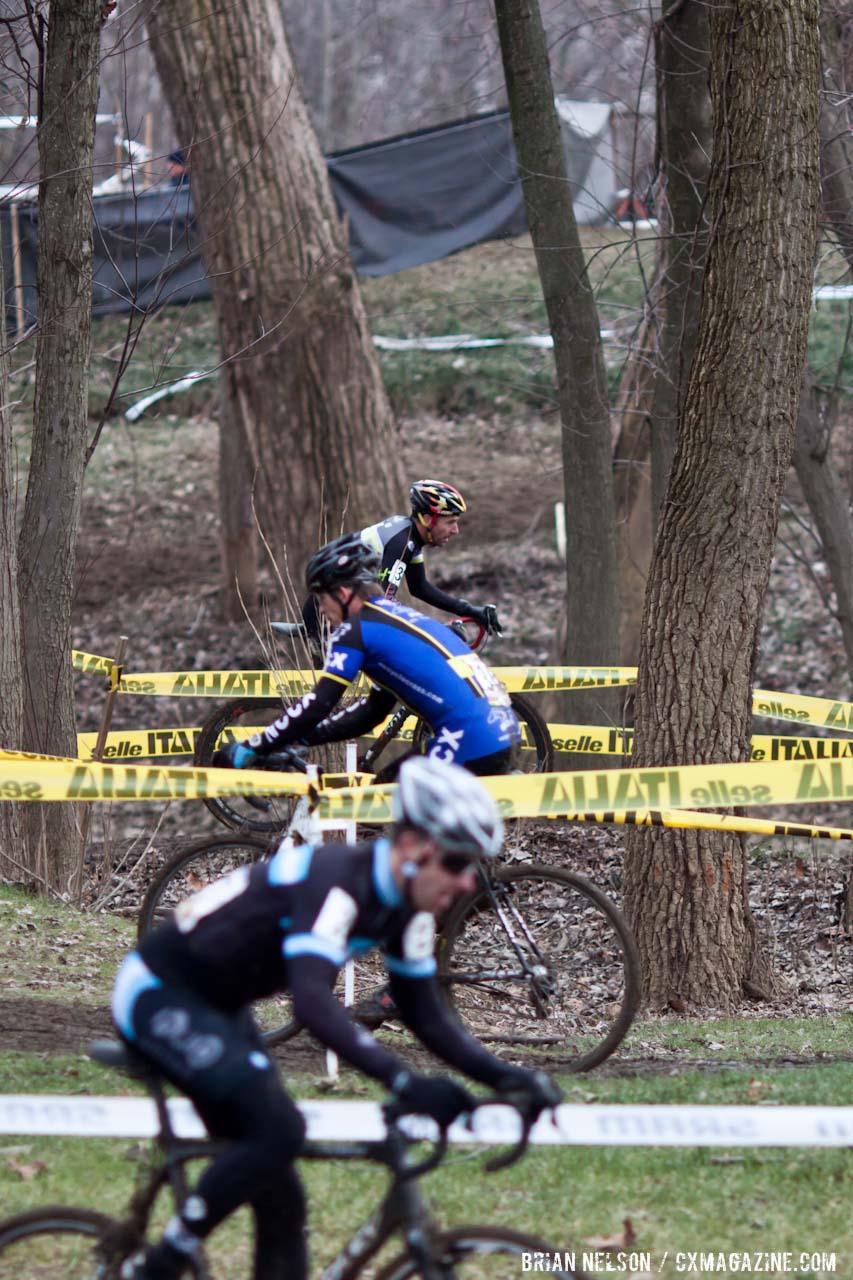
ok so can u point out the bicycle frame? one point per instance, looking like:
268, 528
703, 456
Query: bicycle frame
534, 974
402, 1206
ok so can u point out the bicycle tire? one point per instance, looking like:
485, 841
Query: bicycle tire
577, 985
460, 1243
536, 732
58, 1241
235, 811
188, 872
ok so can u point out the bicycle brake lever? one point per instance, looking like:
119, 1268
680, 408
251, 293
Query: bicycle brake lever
515, 1152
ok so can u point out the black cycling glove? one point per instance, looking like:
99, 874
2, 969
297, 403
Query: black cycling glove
234, 755
542, 1092
435, 1096
487, 616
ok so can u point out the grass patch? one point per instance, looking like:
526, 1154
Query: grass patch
50, 950
753, 1038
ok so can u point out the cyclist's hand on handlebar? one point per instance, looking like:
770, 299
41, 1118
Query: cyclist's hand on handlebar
538, 1091
487, 616
234, 755
435, 1096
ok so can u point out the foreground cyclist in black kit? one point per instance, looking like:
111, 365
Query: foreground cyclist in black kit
400, 541
289, 924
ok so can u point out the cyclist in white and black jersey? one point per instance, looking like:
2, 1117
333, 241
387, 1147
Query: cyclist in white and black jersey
400, 542
288, 924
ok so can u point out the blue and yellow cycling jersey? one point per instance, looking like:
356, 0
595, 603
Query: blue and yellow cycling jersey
412, 659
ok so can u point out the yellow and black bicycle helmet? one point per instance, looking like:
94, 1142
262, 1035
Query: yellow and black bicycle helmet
434, 498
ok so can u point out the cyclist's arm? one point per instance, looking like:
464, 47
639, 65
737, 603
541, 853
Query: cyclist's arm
316, 1007
421, 1007
422, 589
354, 720
296, 723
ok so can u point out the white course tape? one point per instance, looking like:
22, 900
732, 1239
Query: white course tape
616, 1126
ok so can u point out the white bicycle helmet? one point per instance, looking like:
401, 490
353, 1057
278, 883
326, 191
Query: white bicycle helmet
449, 804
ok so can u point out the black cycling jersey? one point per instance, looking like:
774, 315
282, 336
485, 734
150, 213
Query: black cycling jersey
400, 543
289, 924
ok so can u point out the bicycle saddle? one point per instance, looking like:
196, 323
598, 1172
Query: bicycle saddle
289, 628
119, 1056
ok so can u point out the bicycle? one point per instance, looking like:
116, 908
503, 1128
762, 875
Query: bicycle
239, 717
66, 1243
537, 956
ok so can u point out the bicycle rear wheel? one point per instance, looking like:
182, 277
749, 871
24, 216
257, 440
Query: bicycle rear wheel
54, 1242
536, 738
191, 870
549, 963
536, 754
485, 1253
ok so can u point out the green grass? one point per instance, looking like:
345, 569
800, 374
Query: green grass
50, 951
677, 1198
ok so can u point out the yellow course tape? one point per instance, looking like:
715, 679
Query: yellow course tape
686, 818
582, 739
695, 786
825, 712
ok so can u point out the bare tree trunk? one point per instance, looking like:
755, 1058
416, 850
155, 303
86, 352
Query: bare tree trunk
632, 485
12, 854
829, 504
685, 892
302, 396
684, 139
52, 510
817, 468
592, 592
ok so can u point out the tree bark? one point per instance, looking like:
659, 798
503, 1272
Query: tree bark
829, 505
302, 398
684, 139
52, 509
685, 892
592, 597
13, 859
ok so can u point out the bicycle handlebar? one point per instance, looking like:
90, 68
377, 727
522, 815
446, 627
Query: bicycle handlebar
280, 761
457, 626
393, 1111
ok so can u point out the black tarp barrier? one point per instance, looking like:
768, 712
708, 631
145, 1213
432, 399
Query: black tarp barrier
408, 201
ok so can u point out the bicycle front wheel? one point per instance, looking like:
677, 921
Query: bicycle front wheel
542, 958
190, 871
53, 1242
233, 722
485, 1253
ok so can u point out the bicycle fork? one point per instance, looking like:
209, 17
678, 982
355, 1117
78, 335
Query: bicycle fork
509, 916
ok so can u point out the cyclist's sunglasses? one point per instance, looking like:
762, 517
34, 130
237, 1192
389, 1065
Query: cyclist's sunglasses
457, 864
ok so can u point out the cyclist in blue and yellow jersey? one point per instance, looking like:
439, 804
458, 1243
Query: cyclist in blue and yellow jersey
400, 542
407, 657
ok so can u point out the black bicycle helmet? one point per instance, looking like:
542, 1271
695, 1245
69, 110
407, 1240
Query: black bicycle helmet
344, 562
449, 804
434, 498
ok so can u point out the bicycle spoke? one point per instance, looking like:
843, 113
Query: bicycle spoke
542, 957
